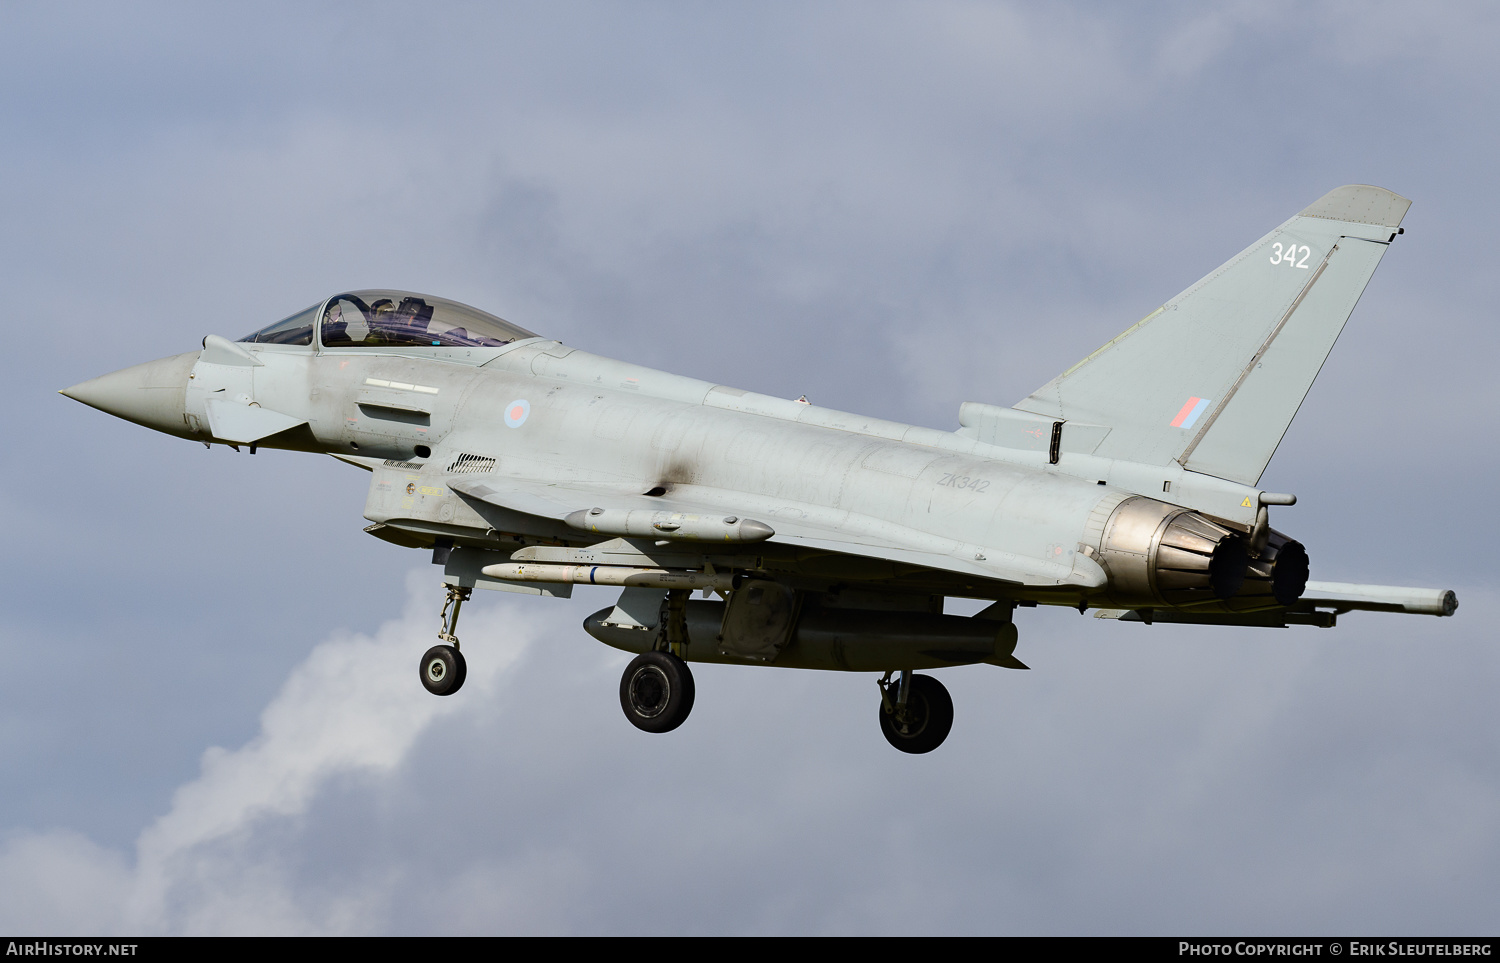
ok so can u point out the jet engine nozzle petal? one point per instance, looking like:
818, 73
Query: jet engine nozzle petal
1162, 554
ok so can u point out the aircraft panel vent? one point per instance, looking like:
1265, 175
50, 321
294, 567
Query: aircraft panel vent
466, 463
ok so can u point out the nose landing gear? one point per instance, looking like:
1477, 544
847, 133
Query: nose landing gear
916, 712
443, 668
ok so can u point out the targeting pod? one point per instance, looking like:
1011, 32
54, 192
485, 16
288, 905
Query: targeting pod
848, 640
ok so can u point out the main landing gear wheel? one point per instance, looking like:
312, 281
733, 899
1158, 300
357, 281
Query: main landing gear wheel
443, 670
656, 691
923, 722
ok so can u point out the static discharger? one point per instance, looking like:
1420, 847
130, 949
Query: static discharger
645, 524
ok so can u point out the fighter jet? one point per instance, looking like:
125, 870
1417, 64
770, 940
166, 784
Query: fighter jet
1127, 486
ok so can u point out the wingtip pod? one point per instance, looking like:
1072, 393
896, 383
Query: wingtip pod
1360, 204
1345, 596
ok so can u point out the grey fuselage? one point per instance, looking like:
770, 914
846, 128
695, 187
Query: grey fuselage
1126, 484
592, 421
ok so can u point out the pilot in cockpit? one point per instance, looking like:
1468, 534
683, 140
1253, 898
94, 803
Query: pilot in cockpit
412, 319
382, 324
393, 319
335, 328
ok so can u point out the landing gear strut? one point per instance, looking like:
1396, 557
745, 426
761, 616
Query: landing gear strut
443, 667
656, 691
916, 711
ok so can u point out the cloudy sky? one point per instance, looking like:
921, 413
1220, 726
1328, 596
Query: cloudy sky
210, 720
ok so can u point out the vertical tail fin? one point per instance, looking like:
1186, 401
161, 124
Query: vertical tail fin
1212, 378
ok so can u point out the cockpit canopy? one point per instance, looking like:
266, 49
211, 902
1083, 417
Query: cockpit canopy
390, 319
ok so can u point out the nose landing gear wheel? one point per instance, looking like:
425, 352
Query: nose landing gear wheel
656, 691
924, 722
443, 670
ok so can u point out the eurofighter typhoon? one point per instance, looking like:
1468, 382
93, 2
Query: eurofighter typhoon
1126, 486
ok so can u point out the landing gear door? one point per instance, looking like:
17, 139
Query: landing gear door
758, 621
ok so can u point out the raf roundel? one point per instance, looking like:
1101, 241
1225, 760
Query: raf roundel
516, 412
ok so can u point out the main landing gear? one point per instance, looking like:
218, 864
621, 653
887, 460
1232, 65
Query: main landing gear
656, 691
916, 711
443, 667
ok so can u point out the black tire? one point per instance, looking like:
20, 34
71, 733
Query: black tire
656, 691
443, 670
929, 717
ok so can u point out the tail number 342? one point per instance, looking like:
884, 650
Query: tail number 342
1289, 255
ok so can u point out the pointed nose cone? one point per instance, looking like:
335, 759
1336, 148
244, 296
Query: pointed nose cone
151, 394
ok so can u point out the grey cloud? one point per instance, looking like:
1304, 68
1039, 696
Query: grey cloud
1148, 783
